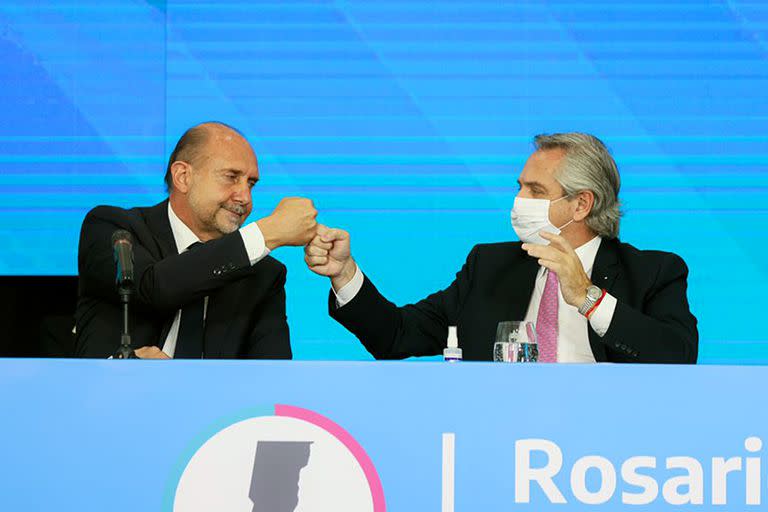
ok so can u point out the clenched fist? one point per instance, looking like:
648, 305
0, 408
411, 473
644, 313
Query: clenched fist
329, 254
291, 223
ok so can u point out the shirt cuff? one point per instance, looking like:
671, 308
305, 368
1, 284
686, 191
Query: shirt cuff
603, 314
349, 290
254, 242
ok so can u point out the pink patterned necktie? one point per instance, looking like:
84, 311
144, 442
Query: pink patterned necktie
546, 321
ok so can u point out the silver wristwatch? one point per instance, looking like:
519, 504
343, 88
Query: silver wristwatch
593, 295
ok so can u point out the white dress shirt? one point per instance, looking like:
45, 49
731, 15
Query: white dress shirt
572, 334
572, 338
184, 237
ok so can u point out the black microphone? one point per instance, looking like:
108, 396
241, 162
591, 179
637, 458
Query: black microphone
122, 245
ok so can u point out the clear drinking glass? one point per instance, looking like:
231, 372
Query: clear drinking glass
516, 343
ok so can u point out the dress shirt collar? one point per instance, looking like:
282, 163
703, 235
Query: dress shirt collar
182, 235
587, 253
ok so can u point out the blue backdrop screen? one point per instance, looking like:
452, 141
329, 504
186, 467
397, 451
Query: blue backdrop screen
407, 123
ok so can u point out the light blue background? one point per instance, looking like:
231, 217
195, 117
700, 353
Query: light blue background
116, 435
407, 123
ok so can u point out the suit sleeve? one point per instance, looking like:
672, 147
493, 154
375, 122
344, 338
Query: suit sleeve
391, 332
161, 284
664, 329
270, 338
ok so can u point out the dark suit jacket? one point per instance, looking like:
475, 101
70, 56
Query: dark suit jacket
246, 304
651, 324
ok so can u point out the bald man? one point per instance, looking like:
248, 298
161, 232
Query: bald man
205, 285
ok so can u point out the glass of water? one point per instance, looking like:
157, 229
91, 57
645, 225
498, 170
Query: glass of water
516, 343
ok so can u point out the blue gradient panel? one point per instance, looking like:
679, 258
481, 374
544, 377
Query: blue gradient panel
82, 95
407, 123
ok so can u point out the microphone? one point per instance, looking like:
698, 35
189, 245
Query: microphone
122, 245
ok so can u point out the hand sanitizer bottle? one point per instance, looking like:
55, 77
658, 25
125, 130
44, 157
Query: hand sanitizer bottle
452, 353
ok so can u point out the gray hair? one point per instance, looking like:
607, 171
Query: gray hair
588, 165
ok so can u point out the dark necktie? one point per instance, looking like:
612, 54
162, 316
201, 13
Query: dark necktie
189, 342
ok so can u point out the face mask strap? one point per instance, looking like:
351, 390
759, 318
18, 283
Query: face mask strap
570, 221
566, 225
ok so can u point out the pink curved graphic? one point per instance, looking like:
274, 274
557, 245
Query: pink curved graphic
374, 482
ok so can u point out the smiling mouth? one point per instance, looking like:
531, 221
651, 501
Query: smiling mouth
236, 212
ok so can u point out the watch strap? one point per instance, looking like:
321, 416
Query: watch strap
590, 303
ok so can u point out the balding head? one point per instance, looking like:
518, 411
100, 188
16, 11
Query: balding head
191, 147
210, 176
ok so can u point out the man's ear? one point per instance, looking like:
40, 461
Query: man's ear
585, 201
181, 173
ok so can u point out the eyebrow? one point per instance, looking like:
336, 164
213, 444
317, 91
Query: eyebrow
238, 172
532, 184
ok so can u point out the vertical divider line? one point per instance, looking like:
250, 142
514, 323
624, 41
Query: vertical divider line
449, 460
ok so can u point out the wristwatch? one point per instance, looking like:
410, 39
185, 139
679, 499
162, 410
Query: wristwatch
593, 295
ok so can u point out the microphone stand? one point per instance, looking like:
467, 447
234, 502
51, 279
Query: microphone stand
125, 290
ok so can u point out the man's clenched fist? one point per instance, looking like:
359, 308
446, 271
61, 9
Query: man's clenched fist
291, 223
329, 254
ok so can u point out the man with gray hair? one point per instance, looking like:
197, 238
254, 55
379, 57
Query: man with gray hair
591, 297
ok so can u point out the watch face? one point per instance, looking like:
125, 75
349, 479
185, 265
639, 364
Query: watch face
594, 293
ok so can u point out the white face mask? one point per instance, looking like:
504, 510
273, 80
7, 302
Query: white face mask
531, 216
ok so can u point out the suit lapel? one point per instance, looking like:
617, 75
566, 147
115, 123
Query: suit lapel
605, 271
165, 245
160, 226
606, 268
521, 284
